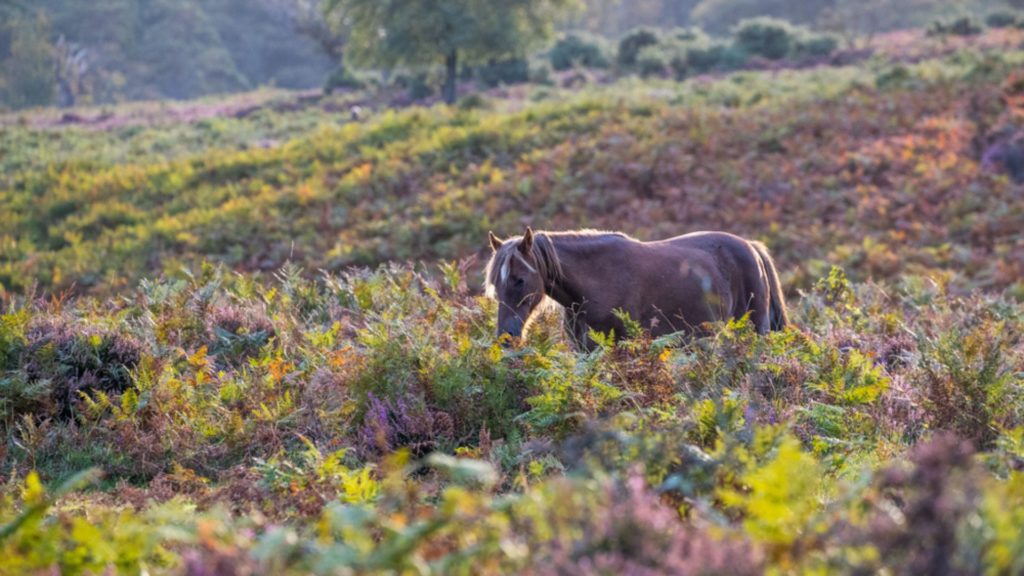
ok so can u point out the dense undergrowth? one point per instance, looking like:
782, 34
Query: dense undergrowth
193, 381
369, 420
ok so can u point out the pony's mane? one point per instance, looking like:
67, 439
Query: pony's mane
549, 266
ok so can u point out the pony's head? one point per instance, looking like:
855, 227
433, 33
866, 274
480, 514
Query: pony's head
516, 278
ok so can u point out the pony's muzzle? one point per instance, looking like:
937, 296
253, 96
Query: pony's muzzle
510, 331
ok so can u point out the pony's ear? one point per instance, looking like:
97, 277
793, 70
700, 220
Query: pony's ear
494, 240
527, 244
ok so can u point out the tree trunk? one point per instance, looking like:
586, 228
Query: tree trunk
451, 63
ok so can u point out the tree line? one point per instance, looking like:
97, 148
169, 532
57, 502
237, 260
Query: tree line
67, 52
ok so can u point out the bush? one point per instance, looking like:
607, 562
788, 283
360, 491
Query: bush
960, 27
817, 45
651, 65
504, 72
474, 102
26, 63
577, 50
419, 88
893, 77
689, 35
542, 74
717, 56
1001, 19
75, 361
702, 60
655, 60
632, 43
343, 78
766, 37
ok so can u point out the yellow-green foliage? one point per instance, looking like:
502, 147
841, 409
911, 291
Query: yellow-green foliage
779, 497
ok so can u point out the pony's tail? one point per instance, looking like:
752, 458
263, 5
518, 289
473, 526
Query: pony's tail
778, 318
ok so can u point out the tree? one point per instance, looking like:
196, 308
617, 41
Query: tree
719, 16
391, 33
26, 62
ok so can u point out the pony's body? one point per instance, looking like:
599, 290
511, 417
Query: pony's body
672, 285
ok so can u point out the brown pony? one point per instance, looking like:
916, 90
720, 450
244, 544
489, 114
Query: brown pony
668, 286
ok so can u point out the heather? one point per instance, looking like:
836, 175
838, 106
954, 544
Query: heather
369, 420
218, 357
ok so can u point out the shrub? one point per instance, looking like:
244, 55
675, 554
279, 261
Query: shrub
626, 529
1001, 19
816, 45
766, 37
689, 35
542, 74
419, 88
236, 334
705, 59
932, 492
960, 27
499, 72
342, 77
403, 423
680, 68
717, 56
632, 43
651, 64
577, 50
893, 77
968, 381
474, 102
77, 360
1006, 155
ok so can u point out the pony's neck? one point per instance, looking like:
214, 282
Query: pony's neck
564, 288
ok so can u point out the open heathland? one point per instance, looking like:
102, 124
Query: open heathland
248, 335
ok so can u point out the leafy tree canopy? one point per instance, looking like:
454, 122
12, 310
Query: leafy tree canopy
391, 33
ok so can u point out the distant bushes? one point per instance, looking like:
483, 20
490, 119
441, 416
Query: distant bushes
504, 72
690, 51
578, 49
474, 102
632, 43
816, 45
959, 27
417, 85
342, 78
651, 64
766, 37
775, 39
1001, 19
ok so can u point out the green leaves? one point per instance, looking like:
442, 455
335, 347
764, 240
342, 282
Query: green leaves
407, 32
849, 379
780, 497
37, 500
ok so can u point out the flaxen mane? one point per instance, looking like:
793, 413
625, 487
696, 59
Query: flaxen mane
548, 264
544, 254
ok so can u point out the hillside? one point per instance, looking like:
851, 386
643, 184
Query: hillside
247, 335
896, 186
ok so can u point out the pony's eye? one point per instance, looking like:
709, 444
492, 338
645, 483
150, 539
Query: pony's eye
518, 282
